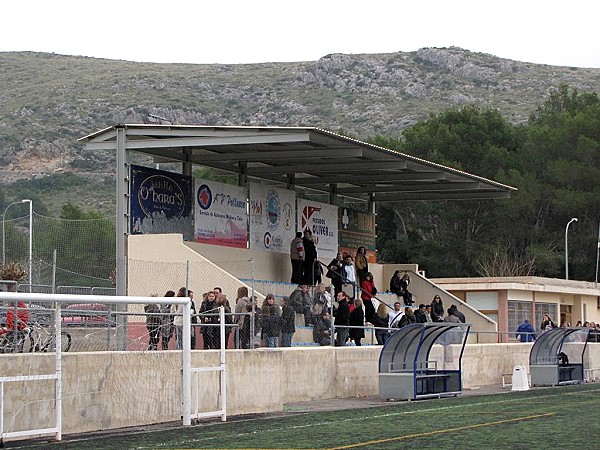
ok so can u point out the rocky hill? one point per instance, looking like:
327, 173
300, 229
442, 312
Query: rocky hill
48, 101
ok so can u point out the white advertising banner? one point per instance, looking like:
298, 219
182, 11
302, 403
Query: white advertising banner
272, 218
221, 216
322, 220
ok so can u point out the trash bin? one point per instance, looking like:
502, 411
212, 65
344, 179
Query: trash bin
519, 379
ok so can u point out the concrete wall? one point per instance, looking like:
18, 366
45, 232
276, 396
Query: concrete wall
107, 390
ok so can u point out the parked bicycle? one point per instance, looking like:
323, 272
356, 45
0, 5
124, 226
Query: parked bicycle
34, 338
43, 339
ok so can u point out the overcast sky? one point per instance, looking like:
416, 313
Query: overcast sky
561, 33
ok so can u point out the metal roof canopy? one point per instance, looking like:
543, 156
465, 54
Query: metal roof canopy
311, 158
305, 157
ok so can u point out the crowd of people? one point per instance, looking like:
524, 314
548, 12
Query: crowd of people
525, 332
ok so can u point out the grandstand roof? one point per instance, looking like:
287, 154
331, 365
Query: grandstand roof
311, 158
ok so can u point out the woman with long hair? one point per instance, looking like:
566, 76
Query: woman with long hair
357, 319
381, 320
367, 291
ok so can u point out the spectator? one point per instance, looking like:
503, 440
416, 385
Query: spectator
342, 319
428, 313
310, 256
288, 318
271, 324
450, 317
525, 332
224, 302
322, 329
437, 309
420, 314
407, 318
301, 301
457, 313
348, 277
166, 328
362, 264
368, 290
334, 272
249, 340
319, 301
178, 320
265, 308
357, 319
380, 320
396, 315
208, 315
193, 320
399, 286
547, 323
241, 302
21, 319
297, 258
153, 322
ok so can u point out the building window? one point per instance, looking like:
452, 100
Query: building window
546, 308
566, 314
517, 313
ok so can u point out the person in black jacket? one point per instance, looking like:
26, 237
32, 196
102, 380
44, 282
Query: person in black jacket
357, 319
420, 314
309, 268
437, 309
342, 317
399, 286
322, 329
288, 318
457, 313
407, 318
334, 272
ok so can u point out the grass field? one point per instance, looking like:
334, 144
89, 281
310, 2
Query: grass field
566, 417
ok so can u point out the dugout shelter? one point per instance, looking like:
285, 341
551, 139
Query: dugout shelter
557, 357
407, 370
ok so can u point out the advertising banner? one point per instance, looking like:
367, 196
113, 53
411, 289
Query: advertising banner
357, 229
322, 220
160, 202
221, 216
272, 218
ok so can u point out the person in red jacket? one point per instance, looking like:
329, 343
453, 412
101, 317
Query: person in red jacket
22, 318
368, 291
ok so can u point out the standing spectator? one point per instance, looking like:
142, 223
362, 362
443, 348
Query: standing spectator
547, 323
222, 301
194, 320
457, 313
525, 332
208, 316
361, 263
380, 320
297, 258
420, 314
241, 302
153, 323
342, 319
334, 272
265, 308
310, 256
437, 309
348, 276
178, 320
322, 329
271, 325
368, 290
166, 327
357, 319
288, 319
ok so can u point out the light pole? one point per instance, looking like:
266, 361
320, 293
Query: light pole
574, 219
3, 230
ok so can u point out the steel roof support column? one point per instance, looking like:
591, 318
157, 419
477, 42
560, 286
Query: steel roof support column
186, 169
333, 194
122, 233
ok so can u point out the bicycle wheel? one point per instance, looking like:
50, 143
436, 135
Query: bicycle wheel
28, 344
65, 341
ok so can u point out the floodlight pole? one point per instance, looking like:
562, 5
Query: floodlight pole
574, 219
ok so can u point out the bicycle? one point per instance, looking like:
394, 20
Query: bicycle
42, 339
8, 345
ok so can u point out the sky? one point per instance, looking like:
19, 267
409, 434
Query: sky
563, 33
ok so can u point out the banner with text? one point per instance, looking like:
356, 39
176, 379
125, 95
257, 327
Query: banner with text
221, 216
160, 202
322, 220
272, 218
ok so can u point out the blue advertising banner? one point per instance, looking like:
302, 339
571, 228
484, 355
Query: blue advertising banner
160, 202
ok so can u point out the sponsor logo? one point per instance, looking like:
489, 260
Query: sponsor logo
161, 194
267, 240
273, 209
204, 197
